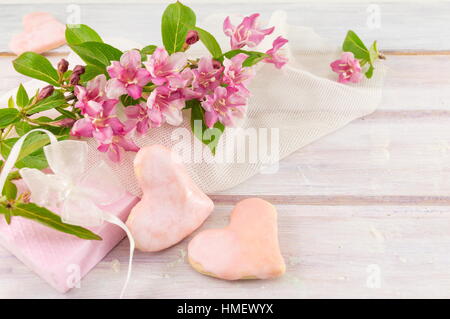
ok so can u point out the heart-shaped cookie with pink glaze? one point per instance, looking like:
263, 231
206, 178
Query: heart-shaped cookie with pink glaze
42, 32
247, 248
172, 206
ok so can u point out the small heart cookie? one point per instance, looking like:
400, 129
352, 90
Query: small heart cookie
172, 206
42, 32
246, 249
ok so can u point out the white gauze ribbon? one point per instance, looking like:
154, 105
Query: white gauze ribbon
78, 194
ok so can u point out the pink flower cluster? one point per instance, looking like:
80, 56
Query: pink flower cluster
162, 84
100, 121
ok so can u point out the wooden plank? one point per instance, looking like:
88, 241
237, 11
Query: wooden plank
333, 252
402, 91
418, 26
378, 156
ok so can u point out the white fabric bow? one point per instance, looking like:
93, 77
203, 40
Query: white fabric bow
79, 194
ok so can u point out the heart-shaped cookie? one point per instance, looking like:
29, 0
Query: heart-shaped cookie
42, 32
246, 249
172, 206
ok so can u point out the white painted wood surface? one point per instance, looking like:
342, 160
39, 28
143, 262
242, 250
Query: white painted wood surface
373, 196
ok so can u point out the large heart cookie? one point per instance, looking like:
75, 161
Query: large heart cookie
246, 249
42, 32
172, 206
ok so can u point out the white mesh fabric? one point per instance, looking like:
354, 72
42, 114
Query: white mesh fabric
303, 100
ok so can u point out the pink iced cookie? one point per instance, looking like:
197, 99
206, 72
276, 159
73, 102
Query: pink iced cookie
172, 206
246, 249
42, 32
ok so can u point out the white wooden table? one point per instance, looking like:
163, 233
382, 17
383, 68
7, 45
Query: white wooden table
370, 199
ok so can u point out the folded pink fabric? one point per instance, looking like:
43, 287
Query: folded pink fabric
56, 256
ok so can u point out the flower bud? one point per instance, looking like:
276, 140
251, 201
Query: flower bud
216, 64
74, 79
192, 37
63, 65
78, 70
45, 92
67, 122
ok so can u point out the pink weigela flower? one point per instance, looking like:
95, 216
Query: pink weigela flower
127, 76
348, 68
246, 33
224, 105
116, 146
207, 76
164, 68
237, 76
138, 117
165, 105
93, 92
276, 58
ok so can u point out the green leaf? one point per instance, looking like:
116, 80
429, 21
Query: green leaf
7, 212
80, 33
176, 21
22, 128
14, 175
91, 71
208, 136
353, 43
127, 100
97, 53
32, 147
11, 103
35, 160
253, 59
373, 53
46, 217
22, 98
369, 72
253, 56
146, 51
149, 49
65, 113
55, 100
9, 190
210, 43
8, 116
61, 132
36, 66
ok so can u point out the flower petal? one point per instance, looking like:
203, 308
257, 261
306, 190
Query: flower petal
135, 91
211, 118
118, 128
92, 108
173, 116
82, 127
109, 107
131, 59
142, 77
177, 61
228, 28
127, 144
133, 112
115, 89
103, 135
